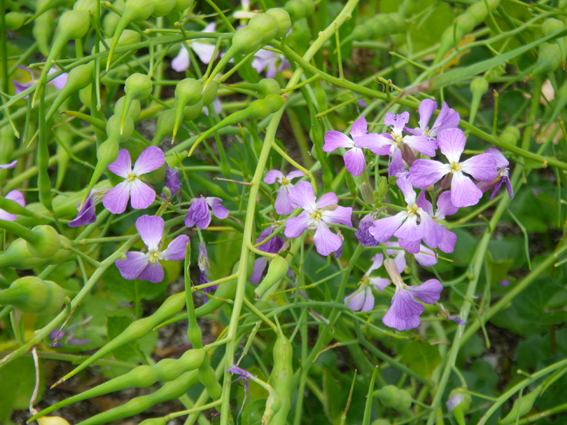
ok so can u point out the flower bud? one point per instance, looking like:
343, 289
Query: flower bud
521, 407
266, 25
154, 421
187, 92
391, 396
47, 241
459, 403
276, 272
551, 26
30, 294
132, 112
283, 21
383, 187
111, 19
14, 20
510, 135
74, 24
479, 86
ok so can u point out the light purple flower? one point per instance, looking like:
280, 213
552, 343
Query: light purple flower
363, 299
448, 118
317, 215
505, 282
457, 320
269, 61
205, 51
435, 234
58, 82
142, 194
200, 215
464, 193
57, 335
9, 166
399, 146
16, 196
283, 205
363, 232
145, 265
502, 177
172, 182
272, 246
361, 139
404, 224
424, 255
87, 214
217, 106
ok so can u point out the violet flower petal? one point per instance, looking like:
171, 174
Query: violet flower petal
272, 176
150, 228
133, 265
219, 211
152, 272
176, 249
428, 292
116, 200
326, 242
142, 195
123, 165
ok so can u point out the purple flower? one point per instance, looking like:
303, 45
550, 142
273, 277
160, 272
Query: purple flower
200, 215
435, 234
502, 177
464, 193
58, 82
272, 246
204, 265
172, 182
425, 256
363, 232
403, 225
457, 320
282, 205
16, 196
399, 146
354, 157
57, 335
363, 299
505, 282
317, 216
142, 194
447, 118
217, 106
205, 51
145, 266
87, 214
8, 166
269, 61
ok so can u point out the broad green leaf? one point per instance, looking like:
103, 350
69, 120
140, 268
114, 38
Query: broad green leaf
132, 290
17, 384
331, 397
421, 357
115, 326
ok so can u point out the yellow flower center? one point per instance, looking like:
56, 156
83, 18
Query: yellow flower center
154, 256
131, 177
285, 181
316, 215
399, 139
412, 209
455, 167
365, 281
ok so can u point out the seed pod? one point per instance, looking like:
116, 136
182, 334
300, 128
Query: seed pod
463, 400
19, 257
43, 27
478, 87
111, 19
46, 242
88, 6
393, 397
521, 407
79, 78
276, 272
281, 378
381, 422
136, 330
382, 25
259, 109
549, 59
510, 135
210, 93
140, 377
283, 21
181, 5
367, 194
138, 10
298, 9
127, 38
14, 20
64, 140
30, 294
138, 87
187, 92
154, 421
207, 377
264, 88
266, 25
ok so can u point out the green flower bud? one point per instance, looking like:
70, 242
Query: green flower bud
181, 5
459, 403
277, 270
266, 25
479, 86
30, 294
551, 26
47, 241
111, 19
367, 194
382, 187
391, 396
14, 20
521, 407
283, 21
19, 257
88, 6
510, 135
133, 112
73, 24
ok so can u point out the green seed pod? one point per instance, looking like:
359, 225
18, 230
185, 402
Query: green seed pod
88, 6
78, 79
210, 93
111, 19
510, 135
181, 5
551, 26
154, 421
127, 38
391, 396
276, 272
521, 407
266, 25
478, 87
43, 28
30, 294
549, 59
281, 378
298, 9
560, 100
283, 21
133, 112
163, 7
14, 20
46, 243
85, 95
264, 88
140, 377
187, 92
19, 257
206, 375
408, 8
463, 403
138, 87
379, 26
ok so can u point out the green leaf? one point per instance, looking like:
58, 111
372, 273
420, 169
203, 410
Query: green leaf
331, 396
421, 357
115, 326
18, 382
131, 290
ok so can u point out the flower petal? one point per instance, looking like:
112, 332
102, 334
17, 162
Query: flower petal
295, 226
426, 256
133, 265
448, 241
259, 267
142, 195
424, 204
354, 161
17, 196
396, 165
204, 51
421, 144
336, 139
303, 196
362, 233
377, 262
464, 193
452, 143
182, 61
219, 211
444, 206
152, 272
341, 215
327, 199
283, 205
176, 249
425, 172
410, 230
447, 118
60, 81
355, 301
431, 231
294, 174
501, 161
482, 167
397, 122
150, 228
410, 246
404, 183
379, 283
149, 160
369, 301
393, 321
116, 200
426, 109
123, 164
400, 260
273, 176
326, 242
8, 166
359, 127
428, 292
509, 187
384, 228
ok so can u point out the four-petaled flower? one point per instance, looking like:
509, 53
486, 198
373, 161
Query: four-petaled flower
317, 215
200, 215
272, 246
362, 299
502, 177
145, 265
464, 193
438, 235
172, 182
283, 205
270, 61
14, 195
142, 194
361, 139
205, 51
399, 146
87, 213
448, 118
